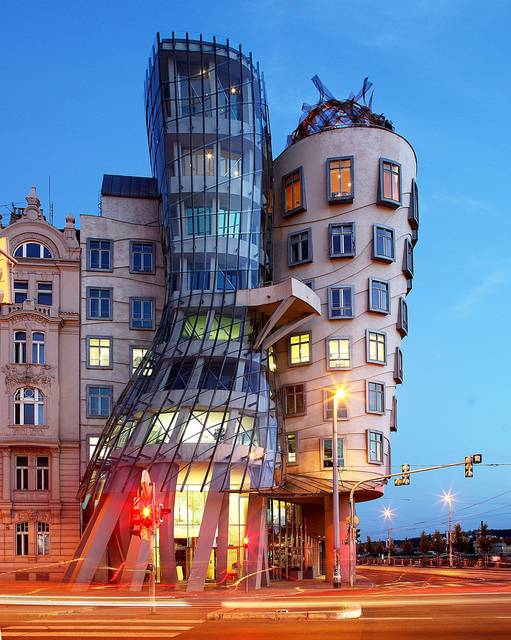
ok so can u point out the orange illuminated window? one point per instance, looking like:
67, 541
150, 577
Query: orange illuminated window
390, 183
340, 179
293, 192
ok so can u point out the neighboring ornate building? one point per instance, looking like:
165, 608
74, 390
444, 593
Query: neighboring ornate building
39, 354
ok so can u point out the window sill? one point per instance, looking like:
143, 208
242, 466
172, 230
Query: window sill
343, 255
341, 200
393, 204
291, 212
297, 264
381, 311
28, 426
379, 362
383, 258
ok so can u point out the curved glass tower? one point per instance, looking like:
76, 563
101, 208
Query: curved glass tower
201, 401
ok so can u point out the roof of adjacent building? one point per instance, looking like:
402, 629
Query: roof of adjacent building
129, 186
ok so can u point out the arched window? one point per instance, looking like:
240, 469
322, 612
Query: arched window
28, 406
37, 347
32, 250
20, 347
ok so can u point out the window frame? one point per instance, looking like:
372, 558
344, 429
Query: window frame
387, 311
42, 247
389, 202
382, 257
22, 291
402, 317
349, 254
20, 345
284, 397
408, 258
148, 242
42, 535
23, 477
88, 298
21, 532
340, 459
88, 396
38, 404
38, 347
327, 352
295, 335
132, 349
328, 394
89, 438
413, 208
110, 251
87, 352
368, 409
44, 476
303, 203
143, 299
290, 262
368, 346
330, 311
393, 414
50, 291
368, 445
340, 199
398, 366
296, 435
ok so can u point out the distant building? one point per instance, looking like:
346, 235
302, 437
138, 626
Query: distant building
39, 412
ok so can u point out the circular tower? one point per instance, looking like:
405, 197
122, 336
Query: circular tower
346, 222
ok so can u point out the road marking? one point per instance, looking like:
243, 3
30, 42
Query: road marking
90, 633
400, 618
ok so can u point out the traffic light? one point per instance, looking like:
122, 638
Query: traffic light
405, 477
146, 515
135, 524
469, 467
477, 458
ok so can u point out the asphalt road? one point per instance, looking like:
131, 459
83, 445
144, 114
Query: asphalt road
397, 603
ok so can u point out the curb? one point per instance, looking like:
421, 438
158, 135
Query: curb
346, 613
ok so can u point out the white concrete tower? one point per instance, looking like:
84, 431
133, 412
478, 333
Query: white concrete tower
346, 219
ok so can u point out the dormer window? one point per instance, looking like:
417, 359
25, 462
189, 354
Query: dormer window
32, 250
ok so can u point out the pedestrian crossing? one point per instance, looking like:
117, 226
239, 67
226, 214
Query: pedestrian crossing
104, 627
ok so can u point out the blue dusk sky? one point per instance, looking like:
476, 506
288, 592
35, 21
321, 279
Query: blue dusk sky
72, 108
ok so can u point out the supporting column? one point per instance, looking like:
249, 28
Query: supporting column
329, 538
168, 570
137, 559
207, 530
257, 541
222, 542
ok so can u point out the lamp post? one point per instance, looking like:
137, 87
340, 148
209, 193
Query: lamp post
338, 395
387, 514
448, 499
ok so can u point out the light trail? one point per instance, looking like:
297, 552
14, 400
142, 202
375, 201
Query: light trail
85, 601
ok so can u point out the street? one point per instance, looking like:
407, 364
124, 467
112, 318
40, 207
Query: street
396, 602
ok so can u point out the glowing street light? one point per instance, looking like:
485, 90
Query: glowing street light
448, 499
339, 394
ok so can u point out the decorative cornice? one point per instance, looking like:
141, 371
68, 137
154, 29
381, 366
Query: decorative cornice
28, 375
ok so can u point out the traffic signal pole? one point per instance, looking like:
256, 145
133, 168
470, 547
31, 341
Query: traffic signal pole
152, 566
475, 459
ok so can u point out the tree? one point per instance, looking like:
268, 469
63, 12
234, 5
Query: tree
484, 540
380, 548
458, 538
438, 543
369, 546
407, 547
424, 543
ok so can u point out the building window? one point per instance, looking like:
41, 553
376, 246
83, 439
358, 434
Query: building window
219, 375
197, 221
327, 453
398, 366
383, 243
402, 317
300, 349
408, 259
309, 283
292, 447
21, 473
340, 179
338, 353
99, 255
38, 356
22, 538
43, 539
45, 293
375, 397
229, 223
42, 473
99, 401
142, 257
413, 209
29, 406
93, 443
379, 295
299, 247
99, 352
328, 406
376, 347
199, 276
341, 302
142, 313
32, 250
99, 303
20, 291
294, 400
137, 355
20, 347
294, 192
375, 447
342, 240
393, 416
390, 183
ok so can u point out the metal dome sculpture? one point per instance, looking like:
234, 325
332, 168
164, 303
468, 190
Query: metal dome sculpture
330, 113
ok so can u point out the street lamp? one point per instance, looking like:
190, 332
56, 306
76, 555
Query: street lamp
448, 498
340, 394
387, 514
